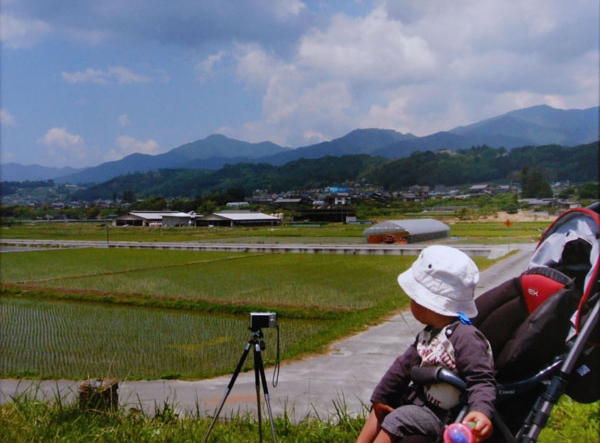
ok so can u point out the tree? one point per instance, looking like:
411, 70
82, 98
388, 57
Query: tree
92, 212
534, 185
128, 196
589, 190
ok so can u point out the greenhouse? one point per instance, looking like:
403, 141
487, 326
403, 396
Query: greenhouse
406, 231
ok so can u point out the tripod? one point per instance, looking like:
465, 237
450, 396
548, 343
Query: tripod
257, 343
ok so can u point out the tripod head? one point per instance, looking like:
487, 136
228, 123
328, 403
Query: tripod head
257, 338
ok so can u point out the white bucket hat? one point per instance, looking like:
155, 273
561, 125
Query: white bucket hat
442, 279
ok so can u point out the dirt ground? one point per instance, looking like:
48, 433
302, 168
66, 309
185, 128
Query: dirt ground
520, 217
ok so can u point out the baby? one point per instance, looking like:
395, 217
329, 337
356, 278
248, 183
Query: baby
441, 285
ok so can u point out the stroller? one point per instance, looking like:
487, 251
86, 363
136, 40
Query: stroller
544, 330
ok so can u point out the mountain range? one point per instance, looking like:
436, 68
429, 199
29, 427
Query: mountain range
533, 126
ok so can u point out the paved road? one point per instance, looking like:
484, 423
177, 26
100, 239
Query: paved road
344, 377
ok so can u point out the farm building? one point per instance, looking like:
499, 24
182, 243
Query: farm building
323, 215
238, 218
155, 218
406, 231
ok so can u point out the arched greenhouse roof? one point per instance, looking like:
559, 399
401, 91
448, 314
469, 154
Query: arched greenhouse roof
412, 227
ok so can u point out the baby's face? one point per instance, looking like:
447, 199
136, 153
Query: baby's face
427, 316
421, 313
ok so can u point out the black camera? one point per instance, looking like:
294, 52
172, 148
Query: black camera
260, 320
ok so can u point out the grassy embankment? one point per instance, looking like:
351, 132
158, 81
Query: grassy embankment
27, 420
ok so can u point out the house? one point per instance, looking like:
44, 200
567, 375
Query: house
155, 218
238, 218
237, 204
480, 189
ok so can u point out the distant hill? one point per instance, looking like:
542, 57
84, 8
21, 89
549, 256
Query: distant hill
359, 141
213, 152
215, 146
16, 172
534, 126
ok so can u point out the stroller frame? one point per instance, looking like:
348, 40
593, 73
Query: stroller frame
553, 379
540, 413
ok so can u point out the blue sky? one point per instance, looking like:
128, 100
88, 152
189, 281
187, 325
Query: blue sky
85, 81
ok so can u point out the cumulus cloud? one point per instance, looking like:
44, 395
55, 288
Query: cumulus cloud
7, 119
118, 74
206, 68
60, 137
373, 50
64, 147
126, 145
419, 67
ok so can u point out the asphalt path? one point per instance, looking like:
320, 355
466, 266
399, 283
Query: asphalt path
322, 385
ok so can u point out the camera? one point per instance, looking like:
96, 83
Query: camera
259, 320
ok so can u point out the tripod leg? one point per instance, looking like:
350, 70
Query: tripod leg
257, 385
259, 368
228, 389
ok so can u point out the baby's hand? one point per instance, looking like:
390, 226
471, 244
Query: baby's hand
480, 424
381, 410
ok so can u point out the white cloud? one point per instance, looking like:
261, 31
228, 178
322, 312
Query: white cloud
123, 75
287, 9
59, 137
18, 33
7, 119
206, 68
255, 66
129, 145
124, 120
118, 74
126, 145
63, 147
421, 68
322, 90
96, 76
370, 50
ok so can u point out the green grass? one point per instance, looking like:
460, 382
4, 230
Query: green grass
27, 419
98, 232
497, 233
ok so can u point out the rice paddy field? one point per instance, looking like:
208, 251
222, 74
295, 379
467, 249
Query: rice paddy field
147, 314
